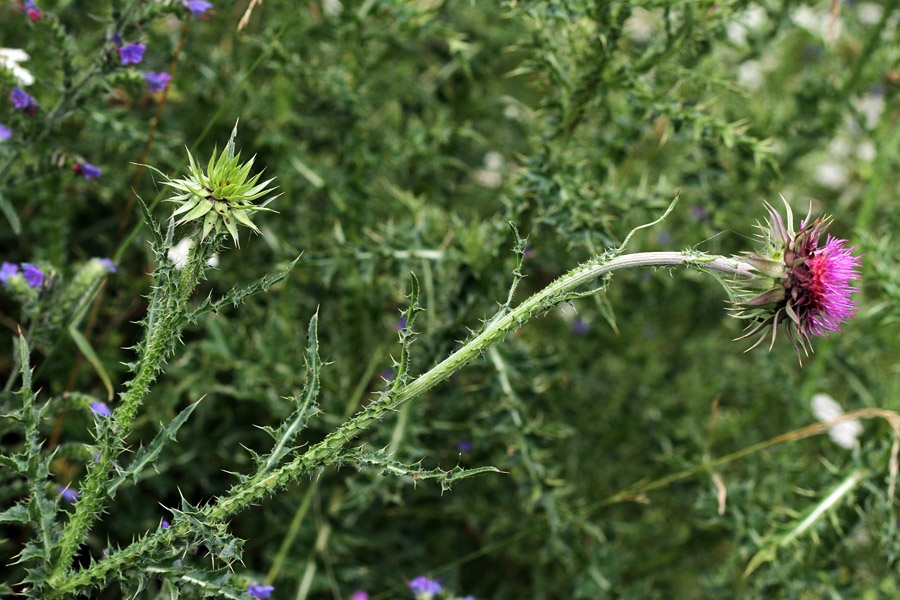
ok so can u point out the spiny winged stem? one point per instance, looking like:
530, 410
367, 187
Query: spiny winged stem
329, 450
163, 324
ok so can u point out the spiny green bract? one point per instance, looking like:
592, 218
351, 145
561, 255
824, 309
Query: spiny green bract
221, 195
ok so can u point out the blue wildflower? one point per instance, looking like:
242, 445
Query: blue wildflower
164, 525
579, 326
22, 101
197, 7
157, 81
100, 409
32, 10
424, 587
5, 132
117, 39
132, 53
8, 270
69, 495
401, 323
33, 275
108, 264
464, 446
87, 170
260, 591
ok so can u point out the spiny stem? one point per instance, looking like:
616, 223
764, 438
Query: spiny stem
324, 452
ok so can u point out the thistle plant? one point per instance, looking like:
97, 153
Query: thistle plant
792, 258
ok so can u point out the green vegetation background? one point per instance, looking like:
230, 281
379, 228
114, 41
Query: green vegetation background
404, 135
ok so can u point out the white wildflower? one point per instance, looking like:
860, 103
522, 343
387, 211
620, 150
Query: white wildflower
10, 59
178, 254
844, 433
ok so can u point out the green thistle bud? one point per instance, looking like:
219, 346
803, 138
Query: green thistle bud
223, 196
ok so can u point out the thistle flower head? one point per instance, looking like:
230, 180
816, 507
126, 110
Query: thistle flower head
807, 282
222, 196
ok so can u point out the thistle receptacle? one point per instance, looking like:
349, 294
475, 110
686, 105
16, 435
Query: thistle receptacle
223, 195
807, 283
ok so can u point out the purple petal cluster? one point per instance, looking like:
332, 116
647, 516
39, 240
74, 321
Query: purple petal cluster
5, 132
423, 586
31, 9
109, 265
157, 81
132, 54
86, 170
24, 102
831, 268
32, 274
360, 595
69, 495
100, 409
197, 7
260, 591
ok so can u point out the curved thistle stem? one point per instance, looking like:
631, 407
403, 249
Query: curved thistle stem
329, 449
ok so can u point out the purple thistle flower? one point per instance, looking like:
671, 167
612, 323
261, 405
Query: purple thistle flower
423, 586
100, 409
33, 275
809, 284
197, 7
157, 81
164, 524
132, 53
108, 264
24, 102
260, 591
69, 495
6, 271
359, 595
5, 132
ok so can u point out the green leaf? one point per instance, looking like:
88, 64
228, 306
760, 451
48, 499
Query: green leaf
88, 351
147, 455
10, 213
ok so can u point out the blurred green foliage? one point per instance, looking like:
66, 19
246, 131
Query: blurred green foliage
404, 135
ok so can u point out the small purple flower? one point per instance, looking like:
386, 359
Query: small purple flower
109, 265
6, 271
100, 409
579, 326
698, 212
22, 101
87, 170
422, 586
464, 446
387, 374
157, 81
33, 275
96, 458
5, 132
132, 53
164, 525
528, 252
116, 39
359, 595
31, 9
401, 323
197, 7
70, 496
260, 591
